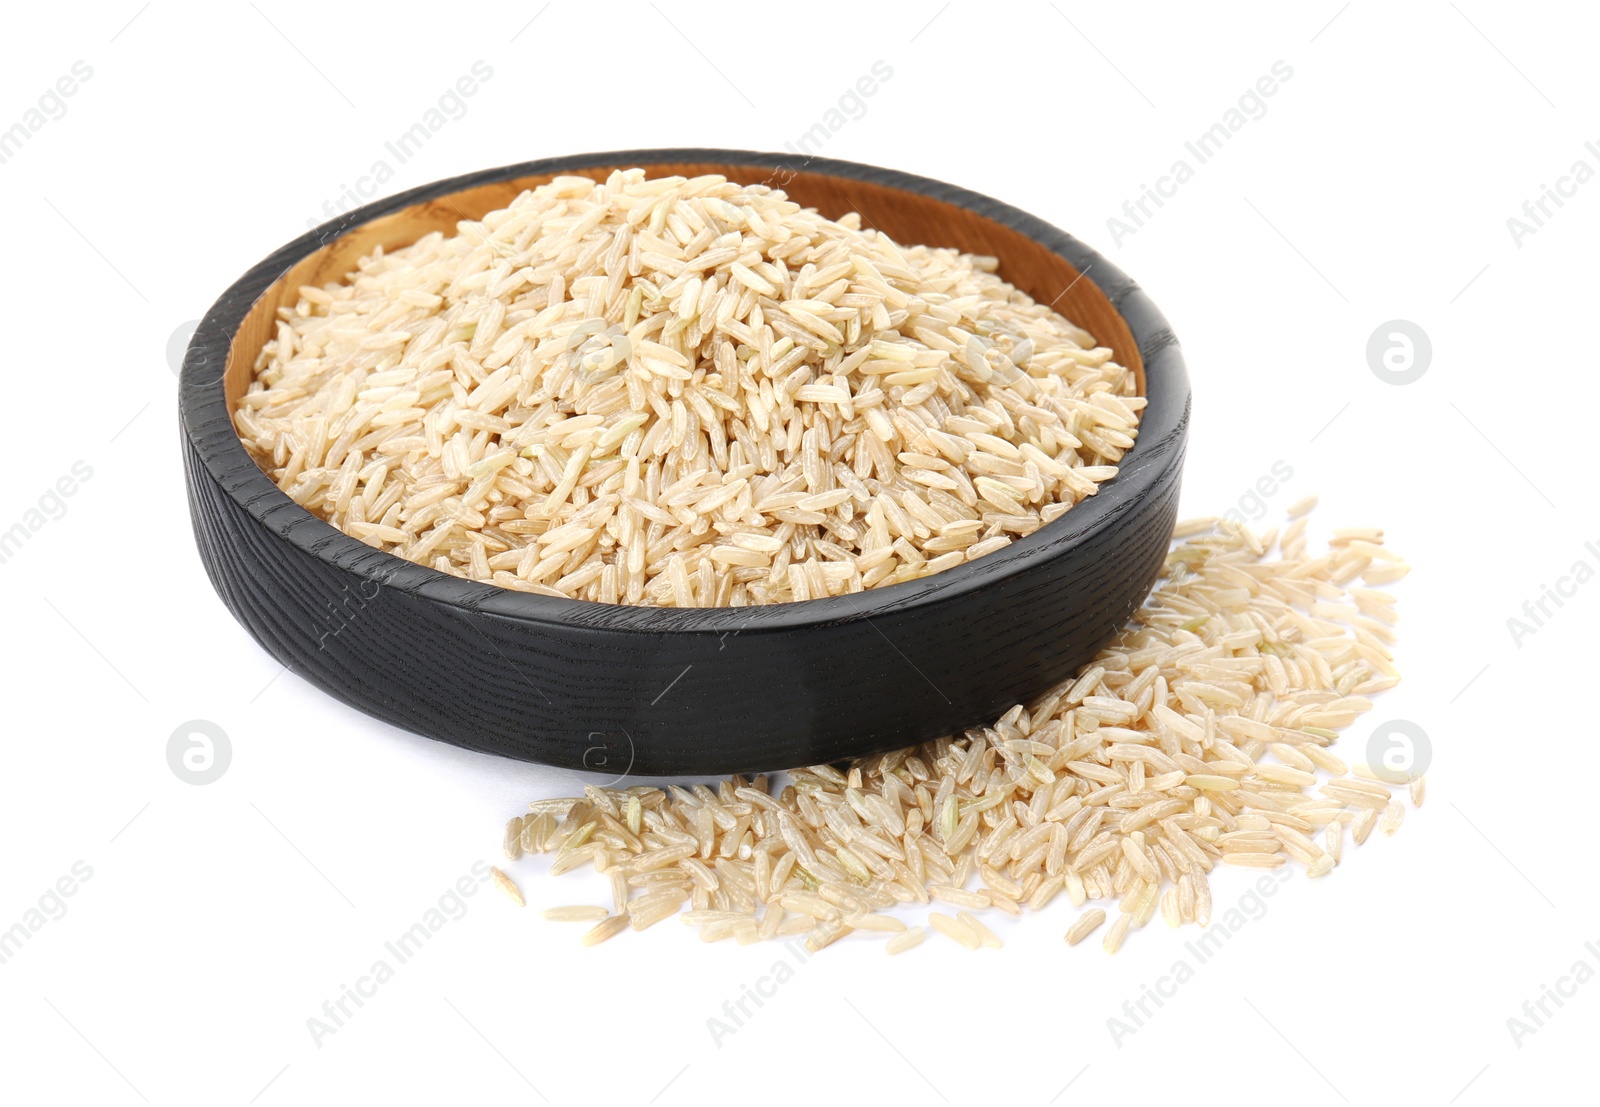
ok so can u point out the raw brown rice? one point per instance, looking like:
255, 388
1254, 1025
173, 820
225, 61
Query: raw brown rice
1183, 745
902, 942
1087, 924
954, 929
1118, 932
682, 392
607, 928
575, 913
507, 885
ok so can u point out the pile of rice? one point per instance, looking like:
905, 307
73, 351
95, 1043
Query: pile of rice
682, 392
1200, 737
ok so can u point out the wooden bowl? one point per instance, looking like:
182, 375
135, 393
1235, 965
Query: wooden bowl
663, 691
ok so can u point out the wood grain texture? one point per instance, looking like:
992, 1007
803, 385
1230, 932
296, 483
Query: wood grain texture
660, 691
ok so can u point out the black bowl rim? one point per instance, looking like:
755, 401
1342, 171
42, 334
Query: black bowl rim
203, 409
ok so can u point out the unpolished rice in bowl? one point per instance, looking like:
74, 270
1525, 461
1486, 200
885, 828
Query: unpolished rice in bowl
682, 392
1182, 746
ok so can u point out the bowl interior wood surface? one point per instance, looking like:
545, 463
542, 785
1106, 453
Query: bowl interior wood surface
641, 690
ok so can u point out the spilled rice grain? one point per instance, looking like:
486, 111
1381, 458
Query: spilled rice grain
1201, 736
1119, 931
575, 913
987, 937
913, 936
607, 928
507, 885
1086, 924
954, 929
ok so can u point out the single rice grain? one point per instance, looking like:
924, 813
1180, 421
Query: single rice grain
608, 928
913, 936
1086, 924
575, 913
507, 885
1118, 931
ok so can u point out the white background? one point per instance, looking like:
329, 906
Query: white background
1377, 186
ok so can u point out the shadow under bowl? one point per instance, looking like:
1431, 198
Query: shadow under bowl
621, 690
